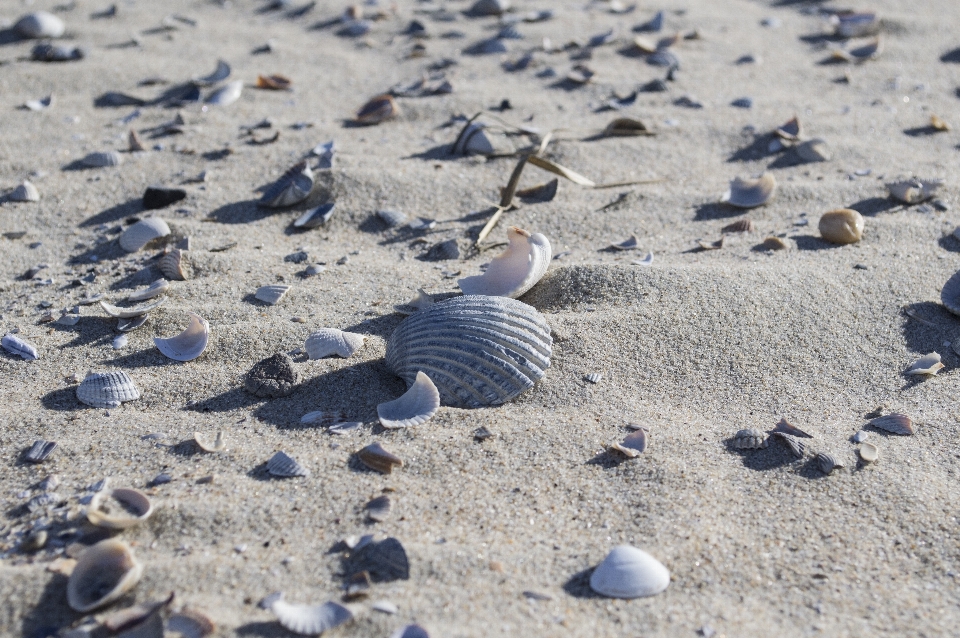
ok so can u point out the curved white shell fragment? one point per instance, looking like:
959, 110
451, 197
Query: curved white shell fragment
158, 287
25, 192
20, 347
107, 389
119, 508
40, 24
293, 187
189, 344
633, 444
750, 193
328, 341
478, 350
272, 294
628, 572
129, 313
516, 270
308, 620
103, 573
416, 406
142, 233
227, 94
315, 217
221, 73
914, 191
205, 444
99, 160
421, 301
927, 364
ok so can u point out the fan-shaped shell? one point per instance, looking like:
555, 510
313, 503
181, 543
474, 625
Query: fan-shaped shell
272, 294
40, 24
25, 192
749, 193
16, 345
293, 187
119, 508
189, 344
308, 620
142, 233
107, 389
416, 406
328, 341
129, 313
282, 465
478, 350
227, 94
896, 423
628, 572
174, 265
516, 270
827, 462
99, 160
103, 573
151, 291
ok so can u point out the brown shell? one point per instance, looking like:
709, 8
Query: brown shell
377, 458
174, 265
383, 107
744, 225
896, 423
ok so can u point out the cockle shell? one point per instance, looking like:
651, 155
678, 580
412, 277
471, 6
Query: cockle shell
158, 287
376, 457
628, 572
174, 265
928, 364
40, 24
896, 423
119, 508
99, 160
142, 233
25, 192
378, 509
107, 389
749, 439
272, 294
307, 620
750, 193
227, 94
189, 344
914, 191
827, 462
842, 226
103, 573
282, 465
796, 445
416, 406
516, 270
378, 109
16, 345
129, 313
205, 444
293, 187
328, 341
221, 73
478, 350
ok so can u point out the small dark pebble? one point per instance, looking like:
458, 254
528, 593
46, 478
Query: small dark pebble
159, 197
275, 376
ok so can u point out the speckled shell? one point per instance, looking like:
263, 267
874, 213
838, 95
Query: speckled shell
103, 573
107, 389
479, 351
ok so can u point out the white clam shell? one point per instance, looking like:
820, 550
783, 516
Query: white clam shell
293, 187
25, 192
329, 341
516, 270
308, 620
869, 452
134, 508
478, 350
749, 193
100, 160
628, 572
416, 406
40, 24
129, 313
927, 364
103, 573
16, 345
227, 94
189, 344
158, 287
142, 233
107, 389
271, 294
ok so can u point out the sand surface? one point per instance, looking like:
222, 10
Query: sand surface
694, 347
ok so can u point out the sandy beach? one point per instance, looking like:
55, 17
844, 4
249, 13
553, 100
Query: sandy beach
501, 534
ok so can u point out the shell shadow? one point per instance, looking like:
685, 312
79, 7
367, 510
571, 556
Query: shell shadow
811, 469
923, 338
950, 242
384, 561
607, 460
146, 358
812, 242
873, 205
382, 326
789, 159
716, 210
51, 613
578, 585
242, 212
232, 399
88, 330
773, 457
921, 131
757, 149
105, 250
951, 56
435, 153
115, 213
62, 400
263, 629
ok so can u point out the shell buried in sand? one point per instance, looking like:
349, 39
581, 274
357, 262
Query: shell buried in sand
628, 572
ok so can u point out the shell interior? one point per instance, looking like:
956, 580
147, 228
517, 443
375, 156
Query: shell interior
142, 233
173, 265
516, 270
416, 406
103, 573
376, 457
749, 193
129, 313
107, 389
191, 624
189, 344
205, 444
293, 187
628, 572
119, 508
330, 341
310, 620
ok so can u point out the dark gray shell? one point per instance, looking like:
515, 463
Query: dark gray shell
478, 350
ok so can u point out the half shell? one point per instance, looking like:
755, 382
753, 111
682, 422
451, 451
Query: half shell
103, 573
107, 389
380, 108
478, 350
16, 346
827, 462
129, 313
205, 444
227, 94
190, 623
914, 191
189, 344
416, 406
628, 572
174, 265
282, 465
308, 620
25, 192
896, 423
749, 193
119, 508
158, 287
293, 187
272, 294
869, 452
315, 217
142, 233
328, 341
516, 270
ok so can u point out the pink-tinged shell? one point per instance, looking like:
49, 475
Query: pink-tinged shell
896, 423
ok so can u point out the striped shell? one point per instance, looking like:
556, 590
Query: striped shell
478, 350
749, 439
174, 265
107, 389
20, 347
25, 192
142, 233
896, 423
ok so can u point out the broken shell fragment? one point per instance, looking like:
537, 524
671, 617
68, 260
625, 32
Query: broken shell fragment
378, 509
786, 427
107, 389
633, 444
189, 344
859, 53
134, 143
740, 226
315, 217
814, 150
789, 130
40, 451
628, 244
158, 287
928, 364
119, 508
174, 265
227, 94
272, 294
282, 465
205, 444
142, 233
628, 572
516, 270
489, 7
417, 405
896, 423
869, 452
129, 313
750, 193
842, 226
25, 192
329, 341
938, 124
307, 620
477, 138
143, 619
103, 573
827, 462
20, 347
379, 459
626, 127
914, 191
749, 439
274, 82
293, 187
39, 25
378, 109
593, 377
796, 445
274, 376
126, 325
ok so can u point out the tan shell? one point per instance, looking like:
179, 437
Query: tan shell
377, 458
103, 573
130, 507
378, 109
842, 226
626, 127
869, 452
174, 265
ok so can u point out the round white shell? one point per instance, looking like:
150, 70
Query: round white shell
103, 573
478, 350
516, 270
40, 24
138, 508
227, 94
310, 620
416, 406
628, 572
15, 345
328, 341
271, 294
749, 193
107, 389
189, 344
25, 192
129, 313
142, 233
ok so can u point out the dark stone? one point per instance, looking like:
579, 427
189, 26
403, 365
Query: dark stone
159, 197
275, 376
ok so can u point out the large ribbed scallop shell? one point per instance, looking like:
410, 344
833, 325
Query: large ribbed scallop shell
516, 270
478, 350
142, 233
103, 573
107, 389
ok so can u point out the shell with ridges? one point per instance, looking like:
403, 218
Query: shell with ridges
749, 439
142, 233
134, 508
328, 341
129, 313
516, 270
308, 620
107, 389
174, 265
16, 345
796, 445
293, 187
749, 193
896, 423
478, 350
827, 462
282, 465
189, 344
272, 294
376, 457
628, 572
103, 573
416, 406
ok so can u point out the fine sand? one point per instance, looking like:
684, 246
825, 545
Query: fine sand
694, 347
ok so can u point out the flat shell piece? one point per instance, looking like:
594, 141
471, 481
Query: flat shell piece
914, 191
18, 346
323, 418
25, 192
275, 376
842, 226
40, 451
628, 572
272, 294
928, 364
378, 109
384, 607
156, 288
378, 509
376, 457
516, 270
174, 265
896, 423
129, 313
107, 389
189, 344
315, 217
119, 508
293, 187
633, 445
204, 443
309, 620
827, 462
749, 439
417, 405
104, 572
330, 341
282, 465
750, 193
227, 94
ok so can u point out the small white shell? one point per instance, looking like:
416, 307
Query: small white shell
293, 187
328, 341
417, 405
142, 233
174, 265
40, 24
927, 364
869, 452
749, 439
594, 377
282, 465
384, 607
131, 508
749, 193
516, 270
25, 192
205, 444
103, 573
914, 191
633, 444
130, 313
227, 94
17, 346
99, 160
189, 344
151, 291
392, 218
309, 620
107, 389
628, 572
272, 294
